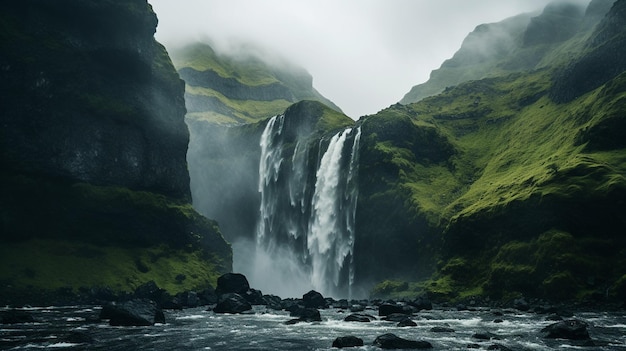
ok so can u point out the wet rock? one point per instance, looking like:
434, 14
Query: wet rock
407, 322
314, 299
232, 303
254, 297
342, 304
441, 330
359, 317
207, 296
347, 341
357, 308
15, 317
498, 320
137, 312
273, 302
392, 341
395, 317
307, 314
232, 283
485, 336
188, 299
572, 329
387, 309
421, 303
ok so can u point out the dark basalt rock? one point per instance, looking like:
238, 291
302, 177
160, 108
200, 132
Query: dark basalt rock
273, 302
421, 303
137, 312
15, 317
347, 341
232, 283
407, 322
359, 317
572, 329
441, 330
485, 336
232, 303
307, 314
388, 309
255, 297
396, 317
392, 341
314, 299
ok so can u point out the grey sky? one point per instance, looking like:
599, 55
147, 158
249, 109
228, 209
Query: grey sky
364, 55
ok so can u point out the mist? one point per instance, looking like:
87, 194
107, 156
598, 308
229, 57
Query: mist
364, 55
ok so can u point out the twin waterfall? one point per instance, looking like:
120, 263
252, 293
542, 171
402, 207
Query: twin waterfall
305, 231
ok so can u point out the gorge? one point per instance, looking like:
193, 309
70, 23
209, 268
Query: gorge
507, 182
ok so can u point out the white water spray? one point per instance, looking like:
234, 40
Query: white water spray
305, 235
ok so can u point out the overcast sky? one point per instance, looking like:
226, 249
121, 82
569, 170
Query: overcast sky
364, 55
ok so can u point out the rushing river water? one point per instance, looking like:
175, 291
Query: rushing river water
78, 328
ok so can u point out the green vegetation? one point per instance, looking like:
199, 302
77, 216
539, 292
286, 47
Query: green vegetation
529, 200
72, 235
252, 89
41, 264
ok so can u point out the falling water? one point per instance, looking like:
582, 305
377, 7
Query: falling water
307, 226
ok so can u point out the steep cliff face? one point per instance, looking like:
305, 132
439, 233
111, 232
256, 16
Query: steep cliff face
93, 140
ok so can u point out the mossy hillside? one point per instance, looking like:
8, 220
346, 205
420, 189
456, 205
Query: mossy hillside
48, 265
522, 166
517, 44
117, 225
240, 88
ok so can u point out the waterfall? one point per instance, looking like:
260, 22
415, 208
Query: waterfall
305, 232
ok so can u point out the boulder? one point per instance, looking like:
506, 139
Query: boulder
188, 299
422, 303
386, 309
273, 302
232, 303
392, 341
347, 341
254, 297
395, 317
137, 312
407, 322
232, 283
441, 330
313, 299
572, 329
359, 317
307, 314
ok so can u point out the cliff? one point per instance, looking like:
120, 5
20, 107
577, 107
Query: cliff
93, 152
528, 200
244, 87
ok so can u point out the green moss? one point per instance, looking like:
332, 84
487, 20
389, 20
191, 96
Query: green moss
52, 264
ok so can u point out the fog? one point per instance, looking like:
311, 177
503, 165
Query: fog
364, 55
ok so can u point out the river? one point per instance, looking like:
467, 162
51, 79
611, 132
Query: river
78, 328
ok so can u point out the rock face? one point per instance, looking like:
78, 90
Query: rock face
93, 140
95, 99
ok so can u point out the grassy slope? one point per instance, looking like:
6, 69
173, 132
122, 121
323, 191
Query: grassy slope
249, 71
515, 150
